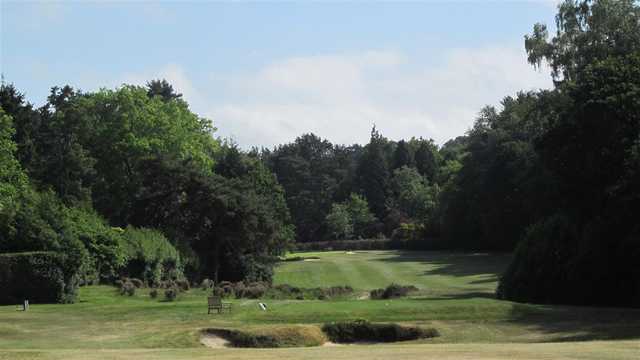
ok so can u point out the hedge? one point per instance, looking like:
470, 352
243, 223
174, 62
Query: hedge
40, 277
371, 244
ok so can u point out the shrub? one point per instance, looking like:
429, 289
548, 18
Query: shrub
256, 268
127, 288
541, 270
40, 277
254, 292
207, 284
367, 244
376, 293
392, 291
103, 243
167, 284
330, 292
171, 294
285, 291
137, 283
153, 293
224, 283
149, 255
217, 291
362, 330
183, 285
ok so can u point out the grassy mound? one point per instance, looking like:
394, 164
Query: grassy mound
272, 337
364, 331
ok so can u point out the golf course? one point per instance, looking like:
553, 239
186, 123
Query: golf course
455, 296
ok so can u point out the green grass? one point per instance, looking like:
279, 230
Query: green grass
456, 298
436, 273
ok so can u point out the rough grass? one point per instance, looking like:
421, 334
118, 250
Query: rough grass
456, 298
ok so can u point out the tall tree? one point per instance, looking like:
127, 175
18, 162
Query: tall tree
426, 161
373, 174
590, 146
308, 172
162, 89
402, 155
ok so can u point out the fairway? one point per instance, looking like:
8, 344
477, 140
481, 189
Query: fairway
435, 273
456, 297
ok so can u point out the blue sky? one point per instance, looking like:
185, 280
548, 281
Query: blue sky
267, 72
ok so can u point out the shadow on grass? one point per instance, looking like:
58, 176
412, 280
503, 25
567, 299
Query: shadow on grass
557, 323
455, 264
464, 296
574, 323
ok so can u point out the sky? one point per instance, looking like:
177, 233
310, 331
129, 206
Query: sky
267, 72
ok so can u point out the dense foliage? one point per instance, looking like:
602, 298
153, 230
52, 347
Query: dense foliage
586, 250
339, 193
85, 166
38, 277
553, 174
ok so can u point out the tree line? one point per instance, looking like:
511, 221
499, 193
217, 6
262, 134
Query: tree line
553, 175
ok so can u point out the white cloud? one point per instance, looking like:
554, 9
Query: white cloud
341, 96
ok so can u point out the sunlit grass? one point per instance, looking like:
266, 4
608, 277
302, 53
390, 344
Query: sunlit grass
456, 297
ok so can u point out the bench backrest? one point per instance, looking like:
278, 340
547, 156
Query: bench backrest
214, 301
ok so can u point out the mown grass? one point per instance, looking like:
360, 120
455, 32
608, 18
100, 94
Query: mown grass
456, 298
436, 273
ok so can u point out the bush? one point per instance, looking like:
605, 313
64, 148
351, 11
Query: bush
149, 255
253, 292
368, 244
171, 294
285, 291
392, 291
541, 270
103, 243
127, 288
376, 294
362, 330
183, 285
40, 277
426, 243
167, 284
137, 283
260, 289
207, 284
153, 293
217, 291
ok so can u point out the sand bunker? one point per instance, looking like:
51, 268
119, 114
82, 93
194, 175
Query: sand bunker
216, 342
213, 341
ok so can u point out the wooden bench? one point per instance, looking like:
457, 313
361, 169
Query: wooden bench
216, 303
